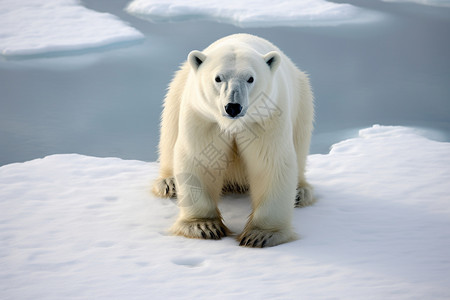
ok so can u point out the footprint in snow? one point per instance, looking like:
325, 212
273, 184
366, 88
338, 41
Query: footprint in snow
190, 262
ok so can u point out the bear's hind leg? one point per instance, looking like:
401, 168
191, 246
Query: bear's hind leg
303, 127
164, 186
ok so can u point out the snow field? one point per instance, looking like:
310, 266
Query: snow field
81, 227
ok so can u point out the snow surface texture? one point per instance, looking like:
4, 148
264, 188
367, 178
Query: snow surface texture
254, 13
29, 27
80, 227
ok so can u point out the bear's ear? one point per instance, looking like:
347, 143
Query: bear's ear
196, 58
273, 60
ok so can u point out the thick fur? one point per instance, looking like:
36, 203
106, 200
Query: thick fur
263, 150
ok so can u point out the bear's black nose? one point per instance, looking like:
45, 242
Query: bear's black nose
233, 109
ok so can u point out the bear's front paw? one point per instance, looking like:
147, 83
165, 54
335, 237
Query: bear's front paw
165, 187
259, 238
201, 229
304, 197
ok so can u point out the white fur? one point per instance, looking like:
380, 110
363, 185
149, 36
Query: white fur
265, 149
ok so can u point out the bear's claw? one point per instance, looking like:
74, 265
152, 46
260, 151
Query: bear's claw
230, 188
213, 229
165, 188
258, 238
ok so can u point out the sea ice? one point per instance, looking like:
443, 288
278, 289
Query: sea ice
255, 13
30, 27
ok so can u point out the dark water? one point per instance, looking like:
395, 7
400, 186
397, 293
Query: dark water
107, 102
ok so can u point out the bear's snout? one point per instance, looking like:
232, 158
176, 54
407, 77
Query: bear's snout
233, 109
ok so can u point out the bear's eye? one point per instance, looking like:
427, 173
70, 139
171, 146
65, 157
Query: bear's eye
250, 80
218, 79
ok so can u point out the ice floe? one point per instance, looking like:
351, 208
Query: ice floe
78, 227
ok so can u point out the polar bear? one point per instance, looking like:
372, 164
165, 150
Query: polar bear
237, 117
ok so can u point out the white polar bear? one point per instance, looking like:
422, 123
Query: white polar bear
238, 116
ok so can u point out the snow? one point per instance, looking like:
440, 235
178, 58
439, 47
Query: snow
80, 227
255, 13
29, 27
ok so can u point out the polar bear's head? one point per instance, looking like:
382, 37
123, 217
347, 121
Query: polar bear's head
230, 79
